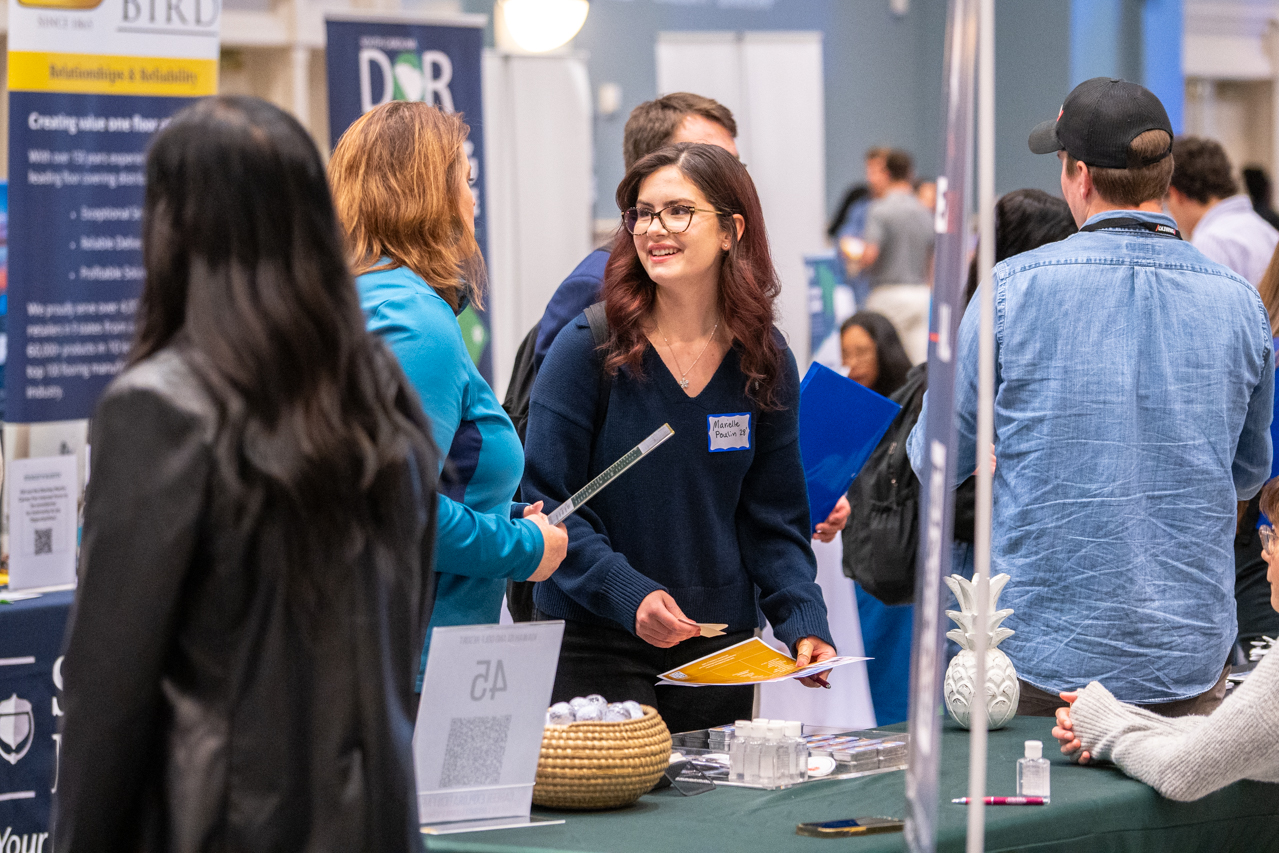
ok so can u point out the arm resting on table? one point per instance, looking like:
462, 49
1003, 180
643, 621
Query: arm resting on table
1188, 758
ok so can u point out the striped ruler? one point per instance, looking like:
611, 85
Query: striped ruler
611, 473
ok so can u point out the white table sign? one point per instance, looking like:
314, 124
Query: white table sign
42, 521
480, 721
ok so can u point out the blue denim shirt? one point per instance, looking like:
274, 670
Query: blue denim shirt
1133, 398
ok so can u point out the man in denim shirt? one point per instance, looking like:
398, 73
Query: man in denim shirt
1133, 393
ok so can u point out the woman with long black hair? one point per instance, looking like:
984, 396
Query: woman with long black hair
255, 570
872, 352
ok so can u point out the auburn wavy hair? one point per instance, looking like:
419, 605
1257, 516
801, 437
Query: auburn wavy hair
748, 282
398, 174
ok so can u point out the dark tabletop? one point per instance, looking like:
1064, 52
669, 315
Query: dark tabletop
1093, 808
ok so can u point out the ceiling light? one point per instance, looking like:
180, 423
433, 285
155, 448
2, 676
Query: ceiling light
541, 25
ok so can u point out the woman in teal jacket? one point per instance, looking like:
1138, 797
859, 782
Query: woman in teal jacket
400, 183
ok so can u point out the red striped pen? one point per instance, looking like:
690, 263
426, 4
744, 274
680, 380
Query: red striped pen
1007, 801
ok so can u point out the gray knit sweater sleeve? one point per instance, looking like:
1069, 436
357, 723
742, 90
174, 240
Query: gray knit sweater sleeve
1187, 758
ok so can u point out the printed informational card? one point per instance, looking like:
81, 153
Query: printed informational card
480, 721
42, 521
749, 662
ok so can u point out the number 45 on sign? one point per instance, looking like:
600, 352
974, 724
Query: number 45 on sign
489, 681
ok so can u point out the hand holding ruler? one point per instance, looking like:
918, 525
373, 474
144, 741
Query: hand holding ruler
611, 473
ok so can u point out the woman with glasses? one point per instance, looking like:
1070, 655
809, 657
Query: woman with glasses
714, 526
255, 569
872, 352
1186, 758
400, 179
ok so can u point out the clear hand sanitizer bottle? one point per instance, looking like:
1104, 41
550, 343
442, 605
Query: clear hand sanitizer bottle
773, 762
1032, 771
737, 751
798, 752
750, 752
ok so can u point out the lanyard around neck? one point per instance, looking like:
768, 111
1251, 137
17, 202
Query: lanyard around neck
1130, 222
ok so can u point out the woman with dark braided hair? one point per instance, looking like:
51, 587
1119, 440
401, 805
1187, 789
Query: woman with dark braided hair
255, 571
714, 526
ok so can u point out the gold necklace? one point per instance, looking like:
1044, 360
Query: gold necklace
683, 377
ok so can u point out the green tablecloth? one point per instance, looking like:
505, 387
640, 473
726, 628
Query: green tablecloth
1093, 808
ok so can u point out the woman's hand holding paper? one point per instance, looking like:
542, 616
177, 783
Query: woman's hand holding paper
813, 650
659, 621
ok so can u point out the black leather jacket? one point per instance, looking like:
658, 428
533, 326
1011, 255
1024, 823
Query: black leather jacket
200, 715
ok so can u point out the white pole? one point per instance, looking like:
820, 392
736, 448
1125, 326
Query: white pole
985, 418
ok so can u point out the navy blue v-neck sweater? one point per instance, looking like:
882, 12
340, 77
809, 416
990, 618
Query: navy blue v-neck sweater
725, 533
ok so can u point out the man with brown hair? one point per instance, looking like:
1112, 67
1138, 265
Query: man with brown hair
1217, 219
673, 118
1133, 393
677, 117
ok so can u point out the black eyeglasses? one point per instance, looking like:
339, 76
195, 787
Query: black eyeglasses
676, 219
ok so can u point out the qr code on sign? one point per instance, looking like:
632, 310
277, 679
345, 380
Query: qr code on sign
43, 541
474, 751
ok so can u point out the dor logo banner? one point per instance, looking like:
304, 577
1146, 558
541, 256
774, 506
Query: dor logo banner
435, 61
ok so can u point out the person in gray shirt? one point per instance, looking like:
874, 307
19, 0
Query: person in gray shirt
898, 257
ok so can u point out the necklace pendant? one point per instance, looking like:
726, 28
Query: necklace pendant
683, 383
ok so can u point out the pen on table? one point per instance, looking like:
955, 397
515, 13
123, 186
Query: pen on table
1006, 801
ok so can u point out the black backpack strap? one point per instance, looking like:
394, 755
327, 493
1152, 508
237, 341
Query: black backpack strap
520, 388
599, 332
599, 323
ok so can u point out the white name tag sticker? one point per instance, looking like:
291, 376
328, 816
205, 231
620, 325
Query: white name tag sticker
729, 432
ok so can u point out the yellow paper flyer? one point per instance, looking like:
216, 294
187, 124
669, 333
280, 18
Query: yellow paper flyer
749, 662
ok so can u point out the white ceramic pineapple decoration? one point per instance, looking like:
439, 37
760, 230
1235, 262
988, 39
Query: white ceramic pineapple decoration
1002, 689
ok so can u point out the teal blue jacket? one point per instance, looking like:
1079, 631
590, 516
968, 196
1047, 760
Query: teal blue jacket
478, 544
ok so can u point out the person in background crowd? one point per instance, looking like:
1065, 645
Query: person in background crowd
255, 571
1259, 188
845, 232
857, 197
872, 353
1189, 758
1268, 289
878, 177
400, 176
851, 230
926, 192
689, 295
1212, 214
1024, 219
1256, 617
898, 256
1120, 459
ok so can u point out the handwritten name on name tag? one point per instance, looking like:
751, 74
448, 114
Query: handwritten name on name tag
729, 432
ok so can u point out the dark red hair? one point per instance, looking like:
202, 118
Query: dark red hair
748, 283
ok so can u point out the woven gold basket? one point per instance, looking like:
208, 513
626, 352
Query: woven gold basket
601, 765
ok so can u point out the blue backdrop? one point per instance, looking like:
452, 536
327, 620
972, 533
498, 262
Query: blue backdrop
373, 62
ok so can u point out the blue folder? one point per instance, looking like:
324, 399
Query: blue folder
840, 423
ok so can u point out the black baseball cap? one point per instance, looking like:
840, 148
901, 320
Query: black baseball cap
1099, 121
